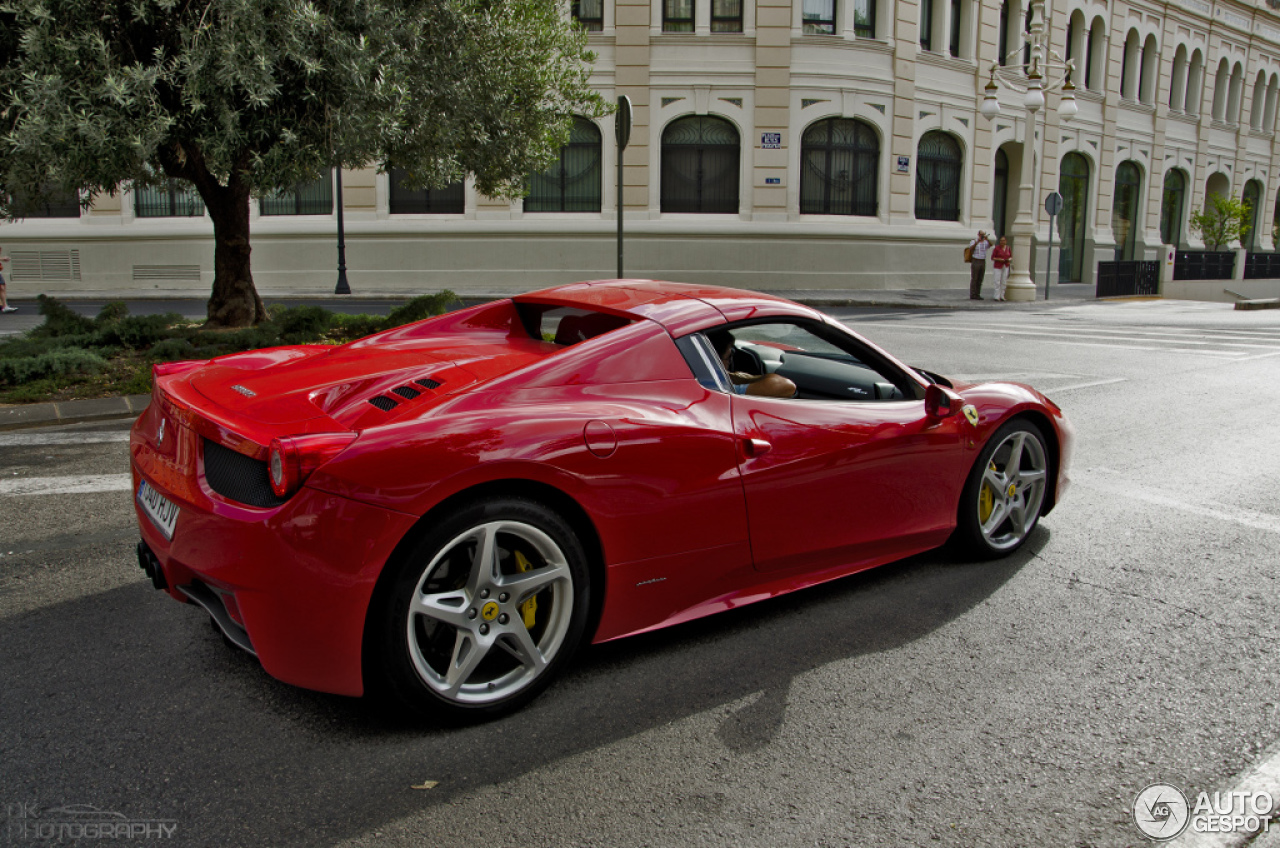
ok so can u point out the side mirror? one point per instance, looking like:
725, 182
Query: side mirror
939, 401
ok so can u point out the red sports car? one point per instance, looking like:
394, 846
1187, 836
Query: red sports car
446, 510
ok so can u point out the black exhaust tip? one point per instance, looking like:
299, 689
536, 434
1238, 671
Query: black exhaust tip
151, 566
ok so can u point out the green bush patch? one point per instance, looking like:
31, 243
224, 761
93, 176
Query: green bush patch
70, 356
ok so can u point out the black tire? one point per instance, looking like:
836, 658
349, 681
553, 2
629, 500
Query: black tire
990, 523
461, 636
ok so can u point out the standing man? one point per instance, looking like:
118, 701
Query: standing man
1001, 261
978, 264
4, 304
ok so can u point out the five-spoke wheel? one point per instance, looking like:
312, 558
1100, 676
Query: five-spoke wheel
486, 608
1005, 492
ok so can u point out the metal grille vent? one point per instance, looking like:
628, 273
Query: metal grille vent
53, 265
428, 383
406, 392
184, 273
383, 402
238, 477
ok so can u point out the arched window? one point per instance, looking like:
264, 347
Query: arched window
1235, 94
1000, 194
1178, 79
1253, 198
572, 183
1130, 66
1172, 203
1269, 106
841, 163
1073, 185
700, 165
1195, 84
1147, 74
1124, 210
1003, 37
1259, 97
1275, 226
938, 172
448, 200
1095, 74
1220, 85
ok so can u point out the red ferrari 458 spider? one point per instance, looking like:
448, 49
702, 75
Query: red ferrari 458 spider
446, 510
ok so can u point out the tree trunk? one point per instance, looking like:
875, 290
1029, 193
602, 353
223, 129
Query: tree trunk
234, 301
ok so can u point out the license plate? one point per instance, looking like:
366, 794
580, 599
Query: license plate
162, 511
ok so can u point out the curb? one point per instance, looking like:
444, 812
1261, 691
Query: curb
1266, 303
72, 411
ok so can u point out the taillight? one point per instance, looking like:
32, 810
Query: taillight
291, 460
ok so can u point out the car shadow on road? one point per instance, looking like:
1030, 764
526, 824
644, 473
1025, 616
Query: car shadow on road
147, 711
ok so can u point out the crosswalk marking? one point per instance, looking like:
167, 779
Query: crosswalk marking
77, 485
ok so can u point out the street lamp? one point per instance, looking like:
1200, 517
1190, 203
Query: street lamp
1020, 285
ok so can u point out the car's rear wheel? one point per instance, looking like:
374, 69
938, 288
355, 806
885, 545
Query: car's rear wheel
485, 609
1005, 491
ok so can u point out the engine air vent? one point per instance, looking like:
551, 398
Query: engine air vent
383, 402
428, 383
406, 392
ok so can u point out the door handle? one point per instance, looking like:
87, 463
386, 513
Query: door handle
755, 447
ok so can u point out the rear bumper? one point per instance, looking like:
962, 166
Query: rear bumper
297, 578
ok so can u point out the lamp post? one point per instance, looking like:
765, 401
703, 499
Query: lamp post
343, 287
1020, 286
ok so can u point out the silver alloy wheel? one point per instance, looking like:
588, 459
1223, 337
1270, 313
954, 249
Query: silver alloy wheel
1012, 492
500, 585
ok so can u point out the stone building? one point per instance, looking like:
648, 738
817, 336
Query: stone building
776, 144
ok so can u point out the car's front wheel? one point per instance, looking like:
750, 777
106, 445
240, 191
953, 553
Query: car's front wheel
1005, 491
485, 609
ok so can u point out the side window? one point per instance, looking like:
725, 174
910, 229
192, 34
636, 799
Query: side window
822, 362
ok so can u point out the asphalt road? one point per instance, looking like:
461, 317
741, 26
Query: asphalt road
932, 701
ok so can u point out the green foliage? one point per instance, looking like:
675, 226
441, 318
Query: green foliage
139, 331
68, 349
1223, 221
249, 97
58, 363
422, 306
60, 319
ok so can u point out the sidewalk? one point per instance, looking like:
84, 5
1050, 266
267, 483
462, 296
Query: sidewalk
105, 409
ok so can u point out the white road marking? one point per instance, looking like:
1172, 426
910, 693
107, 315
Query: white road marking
1102, 338
79, 485
1264, 777
1246, 517
1089, 385
21, 439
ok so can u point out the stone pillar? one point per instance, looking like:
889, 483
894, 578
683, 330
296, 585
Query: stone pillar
903, 143
631, 75
772, 109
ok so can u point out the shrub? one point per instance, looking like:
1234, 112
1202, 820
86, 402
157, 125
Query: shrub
60, 319
303, 324
113, 311
140, 331
171, 350
58, 363
1222, 221
423, 306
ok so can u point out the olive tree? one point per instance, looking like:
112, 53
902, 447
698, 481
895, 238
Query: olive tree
245, 97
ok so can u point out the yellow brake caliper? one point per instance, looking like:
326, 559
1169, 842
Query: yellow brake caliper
986, 499
529, 608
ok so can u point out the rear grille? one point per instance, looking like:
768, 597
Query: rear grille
383, 402
238, 477
407, 392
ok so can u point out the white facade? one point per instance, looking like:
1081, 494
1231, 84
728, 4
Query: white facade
1189, 85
